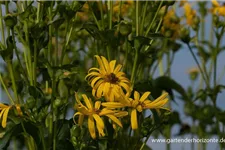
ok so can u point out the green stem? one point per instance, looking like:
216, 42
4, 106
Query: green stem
110, 13
6, 90
134, 69
35, 62
196, 60
119, 13
29, 60
17, 55
137, 17
1, 26
6, 12
153, 20
102, 14
50, 35
143, 15
42, 138
56, 47
11, 72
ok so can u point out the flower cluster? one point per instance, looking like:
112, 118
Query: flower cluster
110, 83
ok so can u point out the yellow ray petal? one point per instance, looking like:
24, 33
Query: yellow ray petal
106, 64
102, 68
91, 127
121, 114
94, 81
112, 65
144, 96
136, 95
99, 121
3, 105
97, 105
117, 69
134, 123
2, 112
100, 90
5, 115
112, 105
77, 113
115, 120
87, 101
106, 111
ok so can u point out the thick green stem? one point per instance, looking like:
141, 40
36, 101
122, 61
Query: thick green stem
143, 17
50, 35
196, 60
137, 17
6, 90
17, 55
11, 72
153, 20
1, 26
35, 62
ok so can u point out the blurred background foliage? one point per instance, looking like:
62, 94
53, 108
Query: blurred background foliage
49, 46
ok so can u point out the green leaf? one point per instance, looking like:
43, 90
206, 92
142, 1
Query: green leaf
168, 84
35, 92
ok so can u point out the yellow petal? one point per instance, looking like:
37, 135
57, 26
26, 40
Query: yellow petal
215, 3
80, 121
91, 127
106, 64
94, 81
112, 65
144, 96
136, 95
106, 111
87, 101
115, 120
112, 105
121, 114
3, 105
100, 90
100, 64
106, 88
99, 121
164, 95
139, 108
97, 105
2, 112
117, 69
5, 115
134, 123
125, 86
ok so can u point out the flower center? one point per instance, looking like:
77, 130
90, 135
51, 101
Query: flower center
111, 78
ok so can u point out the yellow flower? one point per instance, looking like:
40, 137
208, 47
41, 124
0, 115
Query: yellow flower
217, 8
189, 13
138, 104
4, 113
107, 80
4, 110
126, 5
94, 115
171, 24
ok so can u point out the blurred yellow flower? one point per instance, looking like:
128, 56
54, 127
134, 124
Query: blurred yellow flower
218, 9
108, 80
94, 115
4, 110
138, 104
124, 7
189, 13
171, 25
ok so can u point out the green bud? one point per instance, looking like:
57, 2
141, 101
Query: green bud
185, 35
57, 102
10, 20
125, 29
168, 33
62, 89
49, 123
75, 131
30, 102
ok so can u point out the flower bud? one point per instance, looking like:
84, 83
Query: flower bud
184, 33
10, 20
